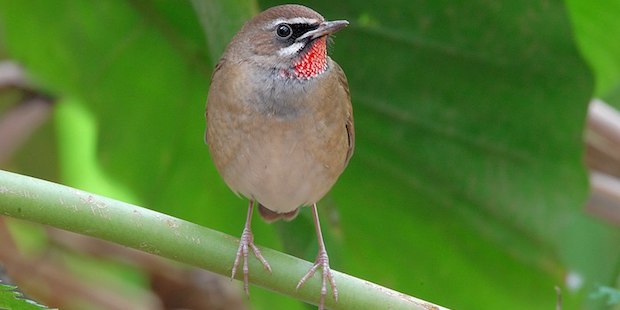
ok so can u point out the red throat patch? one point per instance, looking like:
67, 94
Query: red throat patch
314, 61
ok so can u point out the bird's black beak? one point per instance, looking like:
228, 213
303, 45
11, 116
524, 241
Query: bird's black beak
325, 28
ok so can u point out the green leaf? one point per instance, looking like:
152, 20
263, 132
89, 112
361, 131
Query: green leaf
597, 29
10, 298
467, 184
469, 120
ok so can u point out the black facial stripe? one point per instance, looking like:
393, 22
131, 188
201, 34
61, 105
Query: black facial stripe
299, 30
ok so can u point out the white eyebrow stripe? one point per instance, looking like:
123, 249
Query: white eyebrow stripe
291, 49
294, 20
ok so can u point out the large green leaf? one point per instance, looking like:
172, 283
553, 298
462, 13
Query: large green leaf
467, 184
470, 116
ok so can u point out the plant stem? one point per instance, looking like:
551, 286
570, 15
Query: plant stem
89, 214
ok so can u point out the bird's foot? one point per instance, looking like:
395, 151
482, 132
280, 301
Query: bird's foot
322, 261
247, 241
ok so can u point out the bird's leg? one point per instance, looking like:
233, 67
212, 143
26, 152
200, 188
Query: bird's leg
322, 261
247, 240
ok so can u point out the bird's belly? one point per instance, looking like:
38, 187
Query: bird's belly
284, 169
282, 184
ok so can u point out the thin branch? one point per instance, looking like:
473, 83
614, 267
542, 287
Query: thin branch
20, 121
604, 200
602, 137
89, 214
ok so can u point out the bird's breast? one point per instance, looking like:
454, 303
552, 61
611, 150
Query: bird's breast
282, 145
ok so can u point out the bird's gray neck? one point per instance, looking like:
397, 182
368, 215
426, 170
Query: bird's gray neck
280, 96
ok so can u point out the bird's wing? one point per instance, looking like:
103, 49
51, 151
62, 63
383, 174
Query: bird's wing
342, 78
217, 68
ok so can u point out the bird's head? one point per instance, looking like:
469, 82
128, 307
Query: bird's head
290, 40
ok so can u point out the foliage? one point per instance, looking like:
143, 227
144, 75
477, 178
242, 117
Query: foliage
611, 294
10, 298
597, 29
467, 184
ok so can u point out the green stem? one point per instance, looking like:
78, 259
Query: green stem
89, 214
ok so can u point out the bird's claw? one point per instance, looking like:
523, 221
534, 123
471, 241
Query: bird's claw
322, 261
247, 240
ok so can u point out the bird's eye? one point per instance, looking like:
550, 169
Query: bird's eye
284, 31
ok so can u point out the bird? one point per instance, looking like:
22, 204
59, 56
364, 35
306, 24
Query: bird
280, 123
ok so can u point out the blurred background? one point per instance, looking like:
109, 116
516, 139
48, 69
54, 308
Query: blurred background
484, 175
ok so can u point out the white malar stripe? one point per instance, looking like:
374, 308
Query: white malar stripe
294, 20
291, 49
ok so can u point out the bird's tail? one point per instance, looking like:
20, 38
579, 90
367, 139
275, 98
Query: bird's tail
271, 216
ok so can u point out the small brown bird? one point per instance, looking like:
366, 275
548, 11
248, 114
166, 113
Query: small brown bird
280, 122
